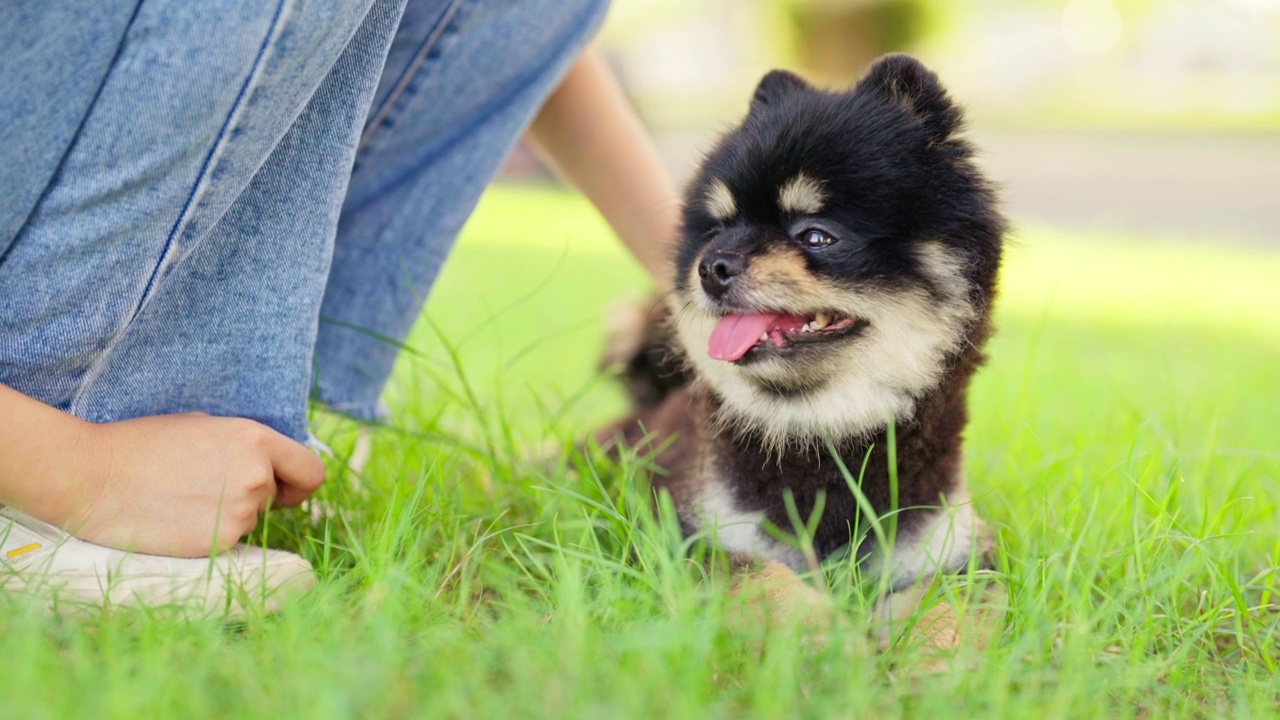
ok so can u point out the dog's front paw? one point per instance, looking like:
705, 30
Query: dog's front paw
935, 627
769, 594
639, 349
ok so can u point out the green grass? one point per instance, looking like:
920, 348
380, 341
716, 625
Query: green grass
1125, 441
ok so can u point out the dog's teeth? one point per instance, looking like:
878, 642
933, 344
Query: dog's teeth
820, 321
764, 337
806, 328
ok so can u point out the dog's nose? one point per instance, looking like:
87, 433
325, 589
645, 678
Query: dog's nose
718, 270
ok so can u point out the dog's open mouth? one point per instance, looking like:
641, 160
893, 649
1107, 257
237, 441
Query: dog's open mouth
736, 335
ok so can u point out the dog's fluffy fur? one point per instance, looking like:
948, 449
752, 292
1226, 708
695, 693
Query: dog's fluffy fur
860, 214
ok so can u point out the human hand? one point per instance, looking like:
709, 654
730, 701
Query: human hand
186, 485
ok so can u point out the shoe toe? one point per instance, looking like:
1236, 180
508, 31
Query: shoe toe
266, 577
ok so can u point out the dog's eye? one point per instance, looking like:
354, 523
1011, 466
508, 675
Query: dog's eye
815, 238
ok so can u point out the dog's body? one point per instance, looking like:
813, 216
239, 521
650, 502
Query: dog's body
834, 277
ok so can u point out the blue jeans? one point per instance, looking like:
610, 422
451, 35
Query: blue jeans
232, 205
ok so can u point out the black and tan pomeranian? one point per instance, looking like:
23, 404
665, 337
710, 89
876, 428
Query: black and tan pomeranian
834, 278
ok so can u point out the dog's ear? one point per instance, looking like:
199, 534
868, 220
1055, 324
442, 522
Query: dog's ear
904, 81
775, 86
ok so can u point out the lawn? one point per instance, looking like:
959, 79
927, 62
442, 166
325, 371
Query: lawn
1125, 441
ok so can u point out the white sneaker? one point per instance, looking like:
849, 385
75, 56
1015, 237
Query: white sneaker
39, 559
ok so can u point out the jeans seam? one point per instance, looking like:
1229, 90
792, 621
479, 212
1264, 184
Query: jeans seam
75, 137
193, 199
411, 71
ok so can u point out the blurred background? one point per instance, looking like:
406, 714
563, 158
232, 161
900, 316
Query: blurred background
1148, 117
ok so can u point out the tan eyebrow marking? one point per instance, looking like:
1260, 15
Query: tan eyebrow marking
802, 195
719, 200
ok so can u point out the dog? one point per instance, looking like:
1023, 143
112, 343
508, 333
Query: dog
834, 280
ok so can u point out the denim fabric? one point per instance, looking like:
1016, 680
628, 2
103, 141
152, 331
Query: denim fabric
434, 140
53, 59
170, 213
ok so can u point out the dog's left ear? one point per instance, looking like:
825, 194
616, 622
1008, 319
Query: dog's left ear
905, 81
775, 86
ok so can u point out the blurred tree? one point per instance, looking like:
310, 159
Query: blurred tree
836, 39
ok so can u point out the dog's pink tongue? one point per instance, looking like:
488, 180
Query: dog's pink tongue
736, 334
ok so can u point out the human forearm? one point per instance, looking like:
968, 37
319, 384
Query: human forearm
588, 129
40, 452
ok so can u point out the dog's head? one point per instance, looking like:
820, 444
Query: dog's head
838, 248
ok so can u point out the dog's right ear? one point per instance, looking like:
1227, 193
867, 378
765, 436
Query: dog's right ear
775, 86
902, 80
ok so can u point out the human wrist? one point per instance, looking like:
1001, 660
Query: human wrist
56, 475
81, 474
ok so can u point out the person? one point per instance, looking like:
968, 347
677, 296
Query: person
215, 211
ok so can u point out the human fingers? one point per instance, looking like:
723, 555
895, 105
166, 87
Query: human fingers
298, 471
